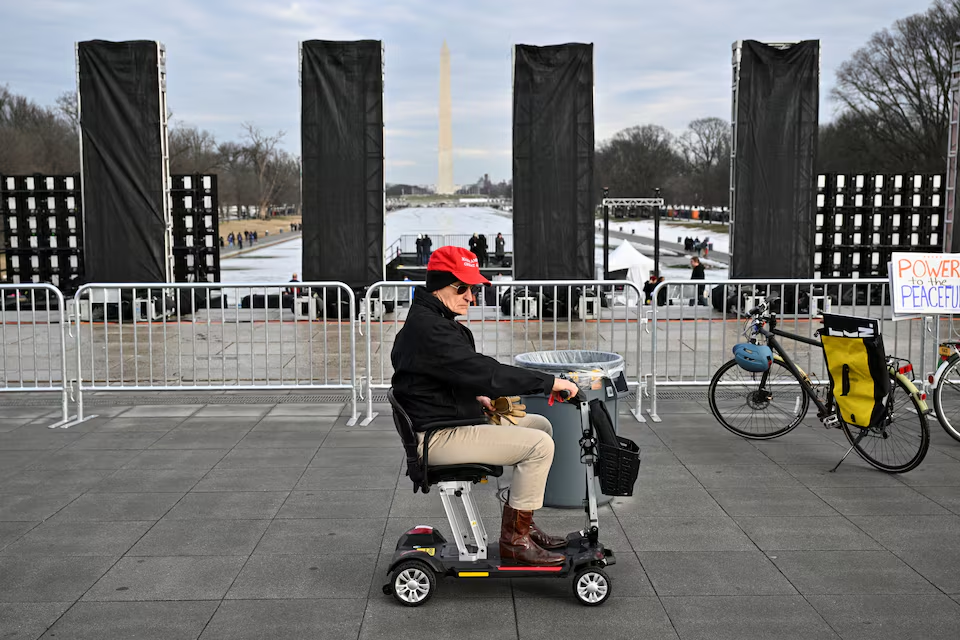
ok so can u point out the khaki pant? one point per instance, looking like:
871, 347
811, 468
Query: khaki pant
528, 447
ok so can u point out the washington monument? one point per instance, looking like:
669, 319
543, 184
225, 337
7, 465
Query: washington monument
445, 180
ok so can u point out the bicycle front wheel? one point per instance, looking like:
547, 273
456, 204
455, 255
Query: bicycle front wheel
946, 400
902, 439
751, 410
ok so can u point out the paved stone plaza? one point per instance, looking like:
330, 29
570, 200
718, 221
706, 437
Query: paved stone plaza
238, 521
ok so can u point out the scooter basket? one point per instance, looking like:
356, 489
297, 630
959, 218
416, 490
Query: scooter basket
617, 467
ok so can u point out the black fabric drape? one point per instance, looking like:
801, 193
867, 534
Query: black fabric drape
553, 150
120, 124
776, 150
342, 146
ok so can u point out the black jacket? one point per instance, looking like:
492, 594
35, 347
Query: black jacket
699, 273
648, 288
438, 373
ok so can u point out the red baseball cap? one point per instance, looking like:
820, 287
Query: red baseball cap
461, 263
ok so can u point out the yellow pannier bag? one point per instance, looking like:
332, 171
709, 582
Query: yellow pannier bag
856, 362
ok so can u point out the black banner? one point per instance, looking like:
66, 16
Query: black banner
120, 124
342, 146
553, 231
774, 201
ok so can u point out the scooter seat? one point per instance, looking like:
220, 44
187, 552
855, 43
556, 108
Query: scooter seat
474, 472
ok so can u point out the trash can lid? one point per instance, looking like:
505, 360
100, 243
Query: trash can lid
571, 360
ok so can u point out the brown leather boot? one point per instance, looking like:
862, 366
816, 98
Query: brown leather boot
545, 540
515, 542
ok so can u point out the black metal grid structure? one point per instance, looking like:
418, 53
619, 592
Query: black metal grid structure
43, 230
196, 228
862, 219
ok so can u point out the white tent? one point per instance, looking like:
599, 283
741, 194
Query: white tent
638, 266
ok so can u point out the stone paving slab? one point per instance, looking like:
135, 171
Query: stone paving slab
258, 520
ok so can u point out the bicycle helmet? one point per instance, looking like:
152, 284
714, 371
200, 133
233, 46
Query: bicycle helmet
753, 357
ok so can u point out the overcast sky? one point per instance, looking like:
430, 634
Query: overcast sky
230, 62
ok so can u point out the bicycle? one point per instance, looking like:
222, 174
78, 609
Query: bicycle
946, 388
785, 391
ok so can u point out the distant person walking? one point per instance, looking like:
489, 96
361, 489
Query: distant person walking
427, 248
499, 248
293, 291
483, 256
420, 261
648, 288
474, 245
662, 294
699, 273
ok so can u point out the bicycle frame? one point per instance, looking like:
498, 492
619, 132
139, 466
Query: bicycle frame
824, 409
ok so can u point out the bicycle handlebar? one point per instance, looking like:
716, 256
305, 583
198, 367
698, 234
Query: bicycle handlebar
763, 307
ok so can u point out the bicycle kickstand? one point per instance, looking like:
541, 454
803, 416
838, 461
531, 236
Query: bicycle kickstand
863, 432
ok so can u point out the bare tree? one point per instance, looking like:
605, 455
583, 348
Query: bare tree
192, 150
35, 139
69, 109
638, 160
900, 80
848, 145
706, 148
266, 158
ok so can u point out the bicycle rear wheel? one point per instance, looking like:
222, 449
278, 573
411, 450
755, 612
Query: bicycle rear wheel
946, 401
902, 439
745, 408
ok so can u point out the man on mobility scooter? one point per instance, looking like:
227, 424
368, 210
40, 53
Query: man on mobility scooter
439, 376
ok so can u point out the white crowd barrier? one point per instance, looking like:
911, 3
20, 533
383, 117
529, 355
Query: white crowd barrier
513, 317
250, 336
693, 335
33, 342
303, 336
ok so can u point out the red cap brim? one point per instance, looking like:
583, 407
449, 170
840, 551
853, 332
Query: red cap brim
469, 276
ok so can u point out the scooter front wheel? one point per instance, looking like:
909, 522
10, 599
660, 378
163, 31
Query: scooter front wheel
413, 583
592, 586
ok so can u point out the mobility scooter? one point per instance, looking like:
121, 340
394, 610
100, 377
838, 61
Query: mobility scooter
423, 555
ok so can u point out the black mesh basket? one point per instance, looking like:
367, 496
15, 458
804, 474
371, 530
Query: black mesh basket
617, 467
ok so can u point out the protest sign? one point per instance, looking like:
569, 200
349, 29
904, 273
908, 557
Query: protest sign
925, 283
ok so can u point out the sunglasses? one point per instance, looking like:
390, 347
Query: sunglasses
463, 288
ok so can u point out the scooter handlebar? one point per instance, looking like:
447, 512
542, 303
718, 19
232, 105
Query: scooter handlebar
566, 396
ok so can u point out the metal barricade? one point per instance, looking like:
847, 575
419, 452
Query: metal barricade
203, 337
34, 342
513, 317
693, 334
939, 329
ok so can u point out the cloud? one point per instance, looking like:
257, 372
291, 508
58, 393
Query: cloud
231, 62
461, 152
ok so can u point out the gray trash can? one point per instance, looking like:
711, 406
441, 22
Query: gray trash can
599, 374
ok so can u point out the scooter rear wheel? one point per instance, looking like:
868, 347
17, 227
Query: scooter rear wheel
413, 583
592, 586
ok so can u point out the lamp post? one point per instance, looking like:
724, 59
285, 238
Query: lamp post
606, 235
656, 235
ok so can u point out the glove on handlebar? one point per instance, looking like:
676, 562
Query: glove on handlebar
507, 409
